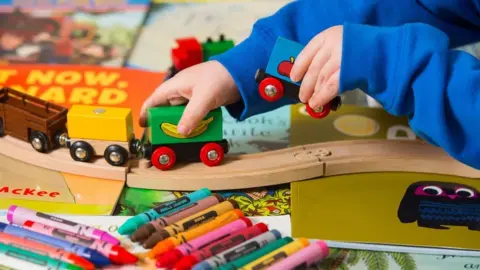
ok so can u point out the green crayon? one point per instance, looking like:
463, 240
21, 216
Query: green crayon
35, 258
244, 260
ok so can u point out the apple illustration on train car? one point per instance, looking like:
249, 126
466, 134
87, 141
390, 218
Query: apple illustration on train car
285, 67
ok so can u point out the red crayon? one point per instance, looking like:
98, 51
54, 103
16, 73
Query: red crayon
114, 253
42, 249
187, 262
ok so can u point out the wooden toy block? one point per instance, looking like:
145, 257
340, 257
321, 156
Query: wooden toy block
31, 119
100, 123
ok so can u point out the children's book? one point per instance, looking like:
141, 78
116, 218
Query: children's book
169, 20
349, 122
410, 210
69, 31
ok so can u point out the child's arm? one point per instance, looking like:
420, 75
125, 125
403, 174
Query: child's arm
412, 72
302, 20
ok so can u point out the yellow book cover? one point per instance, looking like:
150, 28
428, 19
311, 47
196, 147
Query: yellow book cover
350, 122
407, 209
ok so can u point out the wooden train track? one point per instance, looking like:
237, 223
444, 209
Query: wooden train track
262, 169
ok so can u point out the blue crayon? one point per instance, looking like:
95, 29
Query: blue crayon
132, 224
92, 255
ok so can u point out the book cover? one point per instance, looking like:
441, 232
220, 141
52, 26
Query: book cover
69, 31
350, 122
169, 20
404, 209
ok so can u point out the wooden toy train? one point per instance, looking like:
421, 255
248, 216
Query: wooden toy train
89, 131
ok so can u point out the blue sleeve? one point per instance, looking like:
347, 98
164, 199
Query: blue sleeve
302, 20
412, 72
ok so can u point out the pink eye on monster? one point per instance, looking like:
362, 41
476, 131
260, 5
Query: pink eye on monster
465, 192
432, 190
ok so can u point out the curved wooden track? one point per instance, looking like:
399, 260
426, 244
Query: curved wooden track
263, 169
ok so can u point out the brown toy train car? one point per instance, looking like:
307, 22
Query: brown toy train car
32, 119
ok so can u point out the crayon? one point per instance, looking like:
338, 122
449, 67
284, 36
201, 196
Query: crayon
219, 246
236, 252
169, 258
18, 215
142, 233
176, 240
304, 258
115, 254
257, 253
9, 263
35, 258
190, 222
54, 253
92, 255
277, 255
133, 223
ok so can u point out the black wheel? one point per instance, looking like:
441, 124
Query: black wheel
39, 141
259, 75
60, 138
2, 128
81, 151
116, 155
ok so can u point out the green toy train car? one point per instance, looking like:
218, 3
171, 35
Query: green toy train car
192, 52
164, 146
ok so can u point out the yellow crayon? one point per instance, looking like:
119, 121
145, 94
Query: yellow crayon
277, 255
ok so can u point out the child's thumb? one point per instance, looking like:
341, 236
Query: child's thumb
197, 108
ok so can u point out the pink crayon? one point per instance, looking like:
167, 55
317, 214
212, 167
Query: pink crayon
169, 259
18, 215
304, 258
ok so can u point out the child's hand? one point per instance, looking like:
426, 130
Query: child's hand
319, 66
207, 85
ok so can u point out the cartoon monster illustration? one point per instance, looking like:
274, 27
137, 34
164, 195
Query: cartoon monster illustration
434, 204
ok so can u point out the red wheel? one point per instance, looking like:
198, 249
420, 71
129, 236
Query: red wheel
163, 158
319, 114
270, 89
211, 154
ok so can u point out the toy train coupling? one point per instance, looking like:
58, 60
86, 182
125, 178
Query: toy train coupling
62, 139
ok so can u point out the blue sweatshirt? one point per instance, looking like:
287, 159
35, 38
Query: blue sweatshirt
397, 51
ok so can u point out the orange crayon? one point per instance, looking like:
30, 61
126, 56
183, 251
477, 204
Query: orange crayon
178, 239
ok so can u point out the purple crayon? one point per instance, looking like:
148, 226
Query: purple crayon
304, 258
18, 215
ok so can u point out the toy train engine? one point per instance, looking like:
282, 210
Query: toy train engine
275, 83
191, 52
164, 146
100, 131
31, 119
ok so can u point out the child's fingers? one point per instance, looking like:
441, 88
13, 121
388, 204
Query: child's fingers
305, 57
327, 92
326, 73
196, 109
312, 76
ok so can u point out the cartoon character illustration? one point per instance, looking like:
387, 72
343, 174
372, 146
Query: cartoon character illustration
434, 204
274, 81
